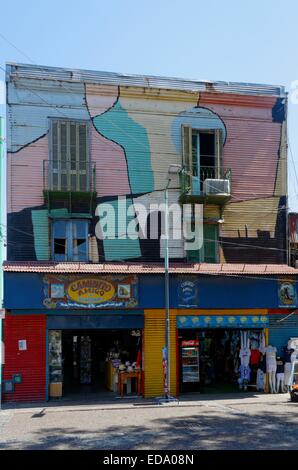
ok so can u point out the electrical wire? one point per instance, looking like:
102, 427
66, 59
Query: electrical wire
121, 130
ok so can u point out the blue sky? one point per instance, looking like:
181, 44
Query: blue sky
254, 41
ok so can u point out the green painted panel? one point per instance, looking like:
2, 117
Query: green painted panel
40, 224
121, 248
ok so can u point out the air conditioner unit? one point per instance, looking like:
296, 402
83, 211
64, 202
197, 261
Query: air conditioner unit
216, 186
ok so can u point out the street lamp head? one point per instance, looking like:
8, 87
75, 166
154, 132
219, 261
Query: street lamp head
174, 169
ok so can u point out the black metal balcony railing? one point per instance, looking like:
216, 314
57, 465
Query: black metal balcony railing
194, 183
193, 188
69, 175
70, 184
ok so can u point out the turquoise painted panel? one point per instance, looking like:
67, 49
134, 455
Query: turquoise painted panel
40, 224
224, 321
59, 213
197, 118
119, 127
121, 248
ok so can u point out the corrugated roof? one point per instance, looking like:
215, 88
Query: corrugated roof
15, 71
147, 268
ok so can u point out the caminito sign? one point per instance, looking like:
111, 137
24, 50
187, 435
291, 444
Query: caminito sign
90, 292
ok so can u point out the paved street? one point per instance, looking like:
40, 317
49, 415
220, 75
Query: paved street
221, 422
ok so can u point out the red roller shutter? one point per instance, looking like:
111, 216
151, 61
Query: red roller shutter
31, 364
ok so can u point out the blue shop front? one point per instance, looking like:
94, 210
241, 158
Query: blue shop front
72, 334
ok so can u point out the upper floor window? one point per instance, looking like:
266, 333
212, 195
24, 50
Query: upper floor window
70, 240
69, 165
202, 153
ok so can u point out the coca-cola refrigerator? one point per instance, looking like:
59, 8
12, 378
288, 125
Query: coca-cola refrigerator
190, 364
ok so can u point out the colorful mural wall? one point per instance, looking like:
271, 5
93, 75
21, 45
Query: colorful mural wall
135, 134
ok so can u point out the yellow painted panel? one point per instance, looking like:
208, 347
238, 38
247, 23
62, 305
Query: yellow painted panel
154, 340
246, 218
211, 211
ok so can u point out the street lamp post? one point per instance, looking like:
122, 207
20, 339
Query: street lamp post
173, 170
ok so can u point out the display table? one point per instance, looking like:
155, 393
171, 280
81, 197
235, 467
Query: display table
124, 376
55, 390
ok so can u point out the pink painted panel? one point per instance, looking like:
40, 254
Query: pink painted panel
111, 170
25, 176
251, 149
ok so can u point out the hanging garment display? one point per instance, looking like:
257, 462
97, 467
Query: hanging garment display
287, 376
244, 356
271, 367
261, 380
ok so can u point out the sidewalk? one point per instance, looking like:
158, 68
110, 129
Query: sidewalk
117, 403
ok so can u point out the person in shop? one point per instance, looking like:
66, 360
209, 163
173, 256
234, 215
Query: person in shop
280, 375
287, 355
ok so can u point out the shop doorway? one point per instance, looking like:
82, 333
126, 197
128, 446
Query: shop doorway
209, 360
87, 362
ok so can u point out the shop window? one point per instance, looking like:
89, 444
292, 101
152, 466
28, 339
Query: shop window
70, 240
209, 251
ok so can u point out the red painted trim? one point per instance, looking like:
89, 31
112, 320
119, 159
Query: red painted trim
283, 311
177, 365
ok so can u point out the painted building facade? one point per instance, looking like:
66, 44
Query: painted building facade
78, 140
130, 131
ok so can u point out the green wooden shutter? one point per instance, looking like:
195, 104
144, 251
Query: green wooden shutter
218, 153
209, 251
187, 147
210, 243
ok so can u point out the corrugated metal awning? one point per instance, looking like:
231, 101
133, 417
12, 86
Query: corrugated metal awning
149, 268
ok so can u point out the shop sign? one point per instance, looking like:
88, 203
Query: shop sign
92, 292
190, 342
287, 294
222, 321
188, 294
22, 345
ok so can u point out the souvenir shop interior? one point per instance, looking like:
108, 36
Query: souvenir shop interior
90, 361
221, 360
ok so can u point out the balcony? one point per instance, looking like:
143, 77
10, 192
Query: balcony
69, 185
211, 186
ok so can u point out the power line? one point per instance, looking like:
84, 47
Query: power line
103, 116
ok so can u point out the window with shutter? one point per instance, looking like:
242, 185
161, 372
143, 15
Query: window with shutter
202, 153
69, 157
